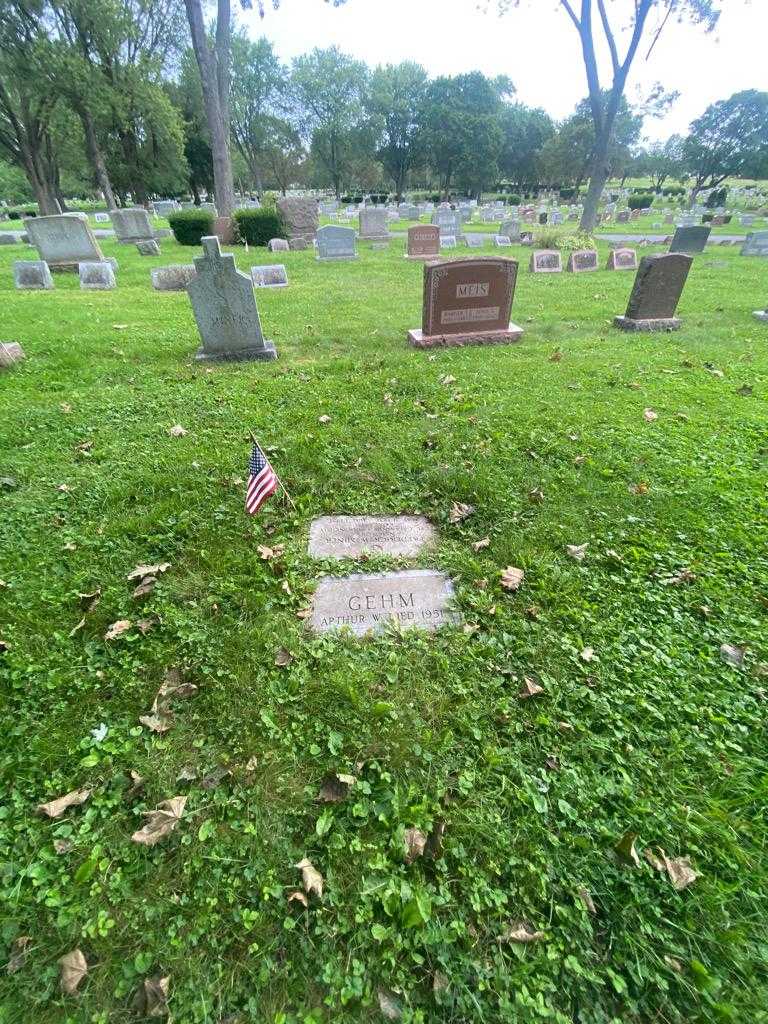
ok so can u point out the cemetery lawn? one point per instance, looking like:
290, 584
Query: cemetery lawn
641, 727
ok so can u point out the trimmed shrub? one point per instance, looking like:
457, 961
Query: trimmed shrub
717, 197
256, 227
513, 199
640, 202
568, 193
189, 226
673, 190
706, 218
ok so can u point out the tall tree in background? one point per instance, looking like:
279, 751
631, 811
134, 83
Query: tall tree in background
257, 96
604, 102
525, 131
730, 138
395, 104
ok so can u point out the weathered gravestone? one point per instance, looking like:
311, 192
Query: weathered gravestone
148, 247
354, 536
10, 237
97, 276
272, 275
510, 229
165, 206
336, 243
656, 293
622, 259
467, 302
690, 239
62, 241
756, 244
278, 245
300, 217
32, 274
582, 261
414, 598
447, 241
373, 224
174, 278
225, 308
423, 242
545, 261
11, 353
132, 225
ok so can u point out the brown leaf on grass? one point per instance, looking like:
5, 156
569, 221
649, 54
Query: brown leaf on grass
158, 722
744, 391
66, 408
639, 488
447, 379
533, 612
267, 553
649, 415
556, 356
434, 847
579, 460
536, 495
117, 629
478, 545
177, 430
18, 955
151, 1000
303, 613
145, 588
656, 862
144, 625
389, 1005
73, 968
678, 869
186, 774
683, 575
62, 846
160, 822
553, 763
89, 601
459, 512
512, 578
142, 571
55, 808
625, 849
283, 657
586, 898
415, 841
529, 689
576, 551
173, 685
298, 897
310, 877
521, 931
732, 654
565, 727
335, 788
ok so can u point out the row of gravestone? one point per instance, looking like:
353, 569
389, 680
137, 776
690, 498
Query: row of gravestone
36, 274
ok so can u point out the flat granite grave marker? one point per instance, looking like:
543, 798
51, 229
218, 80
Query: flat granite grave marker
622, 259
336, 243
97, 276
33, 274
272, 275
582, 261
373, 224
467, 302
63, 241
545, 261
368, 603
423, 242
148, 247
690, 239
756, 244
101, 218
656, 292
225, 308
502, 241
174, 278
353, 536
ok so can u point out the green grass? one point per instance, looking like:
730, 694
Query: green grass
667, 741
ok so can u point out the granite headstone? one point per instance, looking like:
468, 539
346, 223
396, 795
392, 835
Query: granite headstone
656, 292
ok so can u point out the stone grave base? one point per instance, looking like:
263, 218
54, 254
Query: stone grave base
373, 238
761, 314
225, 230
68, 267
244, 355
626, 323
418, 339
432, 256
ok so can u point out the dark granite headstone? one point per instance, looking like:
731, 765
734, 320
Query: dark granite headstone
690, 240
656, 292
423, 242
756, 244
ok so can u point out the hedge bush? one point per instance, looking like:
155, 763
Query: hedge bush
674, 190
256, 227
640, 202
717, 197
189, 226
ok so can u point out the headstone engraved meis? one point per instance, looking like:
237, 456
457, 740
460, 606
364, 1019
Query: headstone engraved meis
336, 243
467, 302
412, 599
353, 536
225, 308
656, 292
273, 275
423, 242
63, 241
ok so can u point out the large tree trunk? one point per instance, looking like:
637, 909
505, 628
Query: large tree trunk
214, 78
95, 156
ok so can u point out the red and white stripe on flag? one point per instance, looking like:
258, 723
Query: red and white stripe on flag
262, 481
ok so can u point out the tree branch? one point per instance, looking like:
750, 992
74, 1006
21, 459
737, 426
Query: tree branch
660, 29
609, 35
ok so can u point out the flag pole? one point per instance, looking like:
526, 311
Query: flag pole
282, 485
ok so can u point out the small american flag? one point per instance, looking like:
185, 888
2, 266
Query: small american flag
262, 481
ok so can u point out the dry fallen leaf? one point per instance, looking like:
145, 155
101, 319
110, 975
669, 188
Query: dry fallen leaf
89, 601
556, 356
577, 551
298, 897
512, 578
447, 379
267, 553
62, 846
145, 588
649, 415
390, 1006
679, 869
586, 898
335, 788
459, 512
283, 657
311, 878
152, 998
177, 431
160, 822
681, 576
641, 488
55, 808
625, 849
732, 654
158, 722
18, 955
142, 571
117, 629
529, 689
478, 545
521, 931
74, 968
415, 841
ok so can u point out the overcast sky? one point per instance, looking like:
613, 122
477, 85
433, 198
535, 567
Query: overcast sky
535, 44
